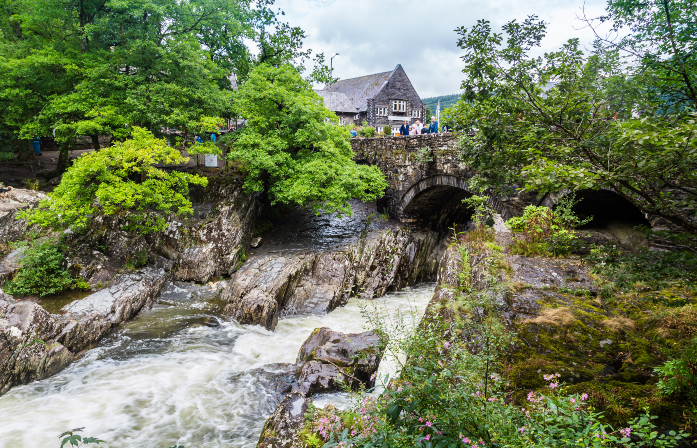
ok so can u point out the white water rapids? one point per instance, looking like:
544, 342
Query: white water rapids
176, 374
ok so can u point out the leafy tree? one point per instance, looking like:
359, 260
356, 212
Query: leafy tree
97, 67
120, 179
292, 148
565, 120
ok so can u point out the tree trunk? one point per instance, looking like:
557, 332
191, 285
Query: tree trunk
64, 156
95, 142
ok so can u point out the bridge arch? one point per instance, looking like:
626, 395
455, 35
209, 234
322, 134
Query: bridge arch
437, 200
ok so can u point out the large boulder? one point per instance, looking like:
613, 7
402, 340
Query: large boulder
12, 229
329, 359
281, 429
273, 285
35, 344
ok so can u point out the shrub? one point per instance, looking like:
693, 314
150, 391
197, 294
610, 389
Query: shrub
388, 130
366, 132
121, 179
543, 231
679, 376
42, 272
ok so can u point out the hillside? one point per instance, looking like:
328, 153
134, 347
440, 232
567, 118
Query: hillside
445, 101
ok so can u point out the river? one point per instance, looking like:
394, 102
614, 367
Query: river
178, 374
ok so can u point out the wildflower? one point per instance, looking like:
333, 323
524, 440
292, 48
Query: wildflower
626, 432
553, 385
399, 389
428, 424
428, 437
521, 429
572, 400
446, 344
492, 399
531, 396
584, 397
372, 377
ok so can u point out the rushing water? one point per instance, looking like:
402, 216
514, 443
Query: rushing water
177, 374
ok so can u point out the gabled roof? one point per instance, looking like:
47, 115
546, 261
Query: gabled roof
360, 90
336, 101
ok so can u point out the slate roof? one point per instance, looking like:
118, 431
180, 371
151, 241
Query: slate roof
337, 101
360, 90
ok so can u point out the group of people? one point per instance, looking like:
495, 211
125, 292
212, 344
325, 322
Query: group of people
418, 128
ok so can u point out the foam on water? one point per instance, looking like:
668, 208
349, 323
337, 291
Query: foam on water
177, 374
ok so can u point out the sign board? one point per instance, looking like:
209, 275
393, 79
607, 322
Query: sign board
397, 118
211, 160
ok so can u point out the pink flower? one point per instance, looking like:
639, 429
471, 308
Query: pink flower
446, 344
572, 400
553, 385
465, 440
428, 437
626, 432
521, 429
428, 424
584, 397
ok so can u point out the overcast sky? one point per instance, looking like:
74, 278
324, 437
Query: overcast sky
373, 36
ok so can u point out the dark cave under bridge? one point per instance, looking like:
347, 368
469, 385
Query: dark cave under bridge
428, 181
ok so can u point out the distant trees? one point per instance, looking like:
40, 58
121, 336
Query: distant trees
621, 118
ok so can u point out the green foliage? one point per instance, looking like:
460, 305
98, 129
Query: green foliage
121, 180
424, 155
74, 439
450, 391
569, 120
388, 130
483, 211
545, 231
42, 272
679, 376
366, 130
291, 148
652, 269
445, 102
6, 156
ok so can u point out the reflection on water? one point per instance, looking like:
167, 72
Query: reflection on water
177, 374
55, 302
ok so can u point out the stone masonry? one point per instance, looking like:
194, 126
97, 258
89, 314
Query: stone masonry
417, 166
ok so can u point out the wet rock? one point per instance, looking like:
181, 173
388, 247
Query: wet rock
8, 266
281, 429
35, 344
329, 358
92, 317
274, 285
256, 242
12, 229
28, 350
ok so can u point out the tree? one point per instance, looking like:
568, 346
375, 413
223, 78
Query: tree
565, 120
122, 179
97, 67
293, 149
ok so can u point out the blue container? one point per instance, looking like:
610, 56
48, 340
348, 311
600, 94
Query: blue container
36, 146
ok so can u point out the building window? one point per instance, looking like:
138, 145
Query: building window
399, 106
381, 111
381, 129
416, 114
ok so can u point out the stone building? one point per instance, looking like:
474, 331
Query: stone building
380, 99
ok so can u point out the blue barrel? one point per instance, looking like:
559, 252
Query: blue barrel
36, 146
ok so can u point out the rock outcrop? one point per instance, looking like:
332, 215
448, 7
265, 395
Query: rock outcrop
281, 429
275, 285
35, 344
326, 360
12, 229
329, 358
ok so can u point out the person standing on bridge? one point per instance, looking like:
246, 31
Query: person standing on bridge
433, 129
418, 126
404, 130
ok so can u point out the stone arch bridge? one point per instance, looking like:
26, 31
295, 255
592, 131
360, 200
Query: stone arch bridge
427, 181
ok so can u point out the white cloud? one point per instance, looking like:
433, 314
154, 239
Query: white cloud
375, 35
